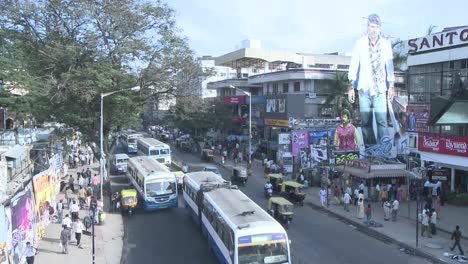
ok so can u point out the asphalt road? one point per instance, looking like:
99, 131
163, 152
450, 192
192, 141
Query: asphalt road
170, 236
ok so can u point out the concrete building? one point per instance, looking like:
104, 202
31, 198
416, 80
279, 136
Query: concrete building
438, 99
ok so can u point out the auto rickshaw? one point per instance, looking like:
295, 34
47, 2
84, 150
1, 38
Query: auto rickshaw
275, 179
292, 191
207, 154
180, 179
128, 200
281, 210
239, 175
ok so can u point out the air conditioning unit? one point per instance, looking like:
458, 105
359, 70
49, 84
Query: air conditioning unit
311, 95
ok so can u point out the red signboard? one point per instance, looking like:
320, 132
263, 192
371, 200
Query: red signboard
359, 164
235, 100
450, 145
440, 175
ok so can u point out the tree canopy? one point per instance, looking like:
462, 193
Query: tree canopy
67, 52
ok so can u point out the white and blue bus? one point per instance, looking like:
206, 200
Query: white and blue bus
155, 184
129, 139
155, 149
238, 230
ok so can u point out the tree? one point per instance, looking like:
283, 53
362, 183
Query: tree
70, 51
338, 94
399, 55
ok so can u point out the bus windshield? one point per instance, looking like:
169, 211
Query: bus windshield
164, 151
160, 188
269, 253
131, 140
154, 152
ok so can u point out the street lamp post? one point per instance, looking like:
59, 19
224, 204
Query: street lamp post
250, 121
103, 159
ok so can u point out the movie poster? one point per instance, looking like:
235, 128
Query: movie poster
300, 140
5, 230
22, 222
44, 189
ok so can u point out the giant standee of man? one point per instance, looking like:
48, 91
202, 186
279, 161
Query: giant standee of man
371, 74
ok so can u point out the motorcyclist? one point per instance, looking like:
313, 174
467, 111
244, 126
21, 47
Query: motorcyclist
268, 188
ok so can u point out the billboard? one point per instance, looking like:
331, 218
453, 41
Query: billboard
300, 140
416, 117
449, 145
275, 105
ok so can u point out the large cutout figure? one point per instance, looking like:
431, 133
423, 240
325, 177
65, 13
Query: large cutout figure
346, 134
372, 75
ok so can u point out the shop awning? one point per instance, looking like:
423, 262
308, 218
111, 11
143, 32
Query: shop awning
365, 174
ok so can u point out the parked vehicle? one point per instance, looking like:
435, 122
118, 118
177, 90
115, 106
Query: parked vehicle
281, 210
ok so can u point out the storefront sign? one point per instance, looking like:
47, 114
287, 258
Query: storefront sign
234, 100
359, 164
313, 123
257, 99
440, 175
450, 145
438, 41
342, 157
284, 139
276, 122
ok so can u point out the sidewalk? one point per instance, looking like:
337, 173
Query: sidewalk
401, 232
108, 237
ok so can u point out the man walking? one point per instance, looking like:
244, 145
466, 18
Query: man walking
395, 207
323, 197
65, 237
346, 200
78, 230
371, 73
368, 214
30, 253
456, 235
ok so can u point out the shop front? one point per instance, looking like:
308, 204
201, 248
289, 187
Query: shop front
448, 156
357, 171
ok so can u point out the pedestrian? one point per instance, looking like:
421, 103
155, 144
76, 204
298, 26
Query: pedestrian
30, 253
387, 210
425, 223
356, 196
113, 201
65, 237
323, 197
82, 197
346, 200
384, 195
71, 183
68, 196
89, 195
433, 222
395, 207
360, 205
368, 214
437, 206
80, 181
88, 173
78, 230
336, 195
60, 207
456, 235
377, 192
300, 178
74, 210
67, 221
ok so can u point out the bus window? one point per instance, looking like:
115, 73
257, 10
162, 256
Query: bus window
154, 152
164, 151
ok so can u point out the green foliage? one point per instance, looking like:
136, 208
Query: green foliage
66, 53
458, 199
338, 94
399, 55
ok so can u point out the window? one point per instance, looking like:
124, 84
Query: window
297, 86
285, 87
275, 88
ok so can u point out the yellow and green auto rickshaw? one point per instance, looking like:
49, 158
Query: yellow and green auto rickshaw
292, 191
275, 179
128, 200
281, 210
239, 175
179, 178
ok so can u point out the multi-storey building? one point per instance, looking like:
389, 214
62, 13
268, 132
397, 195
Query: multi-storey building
438, 99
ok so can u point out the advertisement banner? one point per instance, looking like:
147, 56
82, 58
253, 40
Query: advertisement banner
276, 122
5, 234
22, 222
342, 157
440, 175
257, 99
276, 105
319, 138
284, 139
318, 154
417, 116
44, 189
235, 100
450, 145
300, 140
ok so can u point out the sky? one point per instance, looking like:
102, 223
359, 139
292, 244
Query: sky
216, 27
